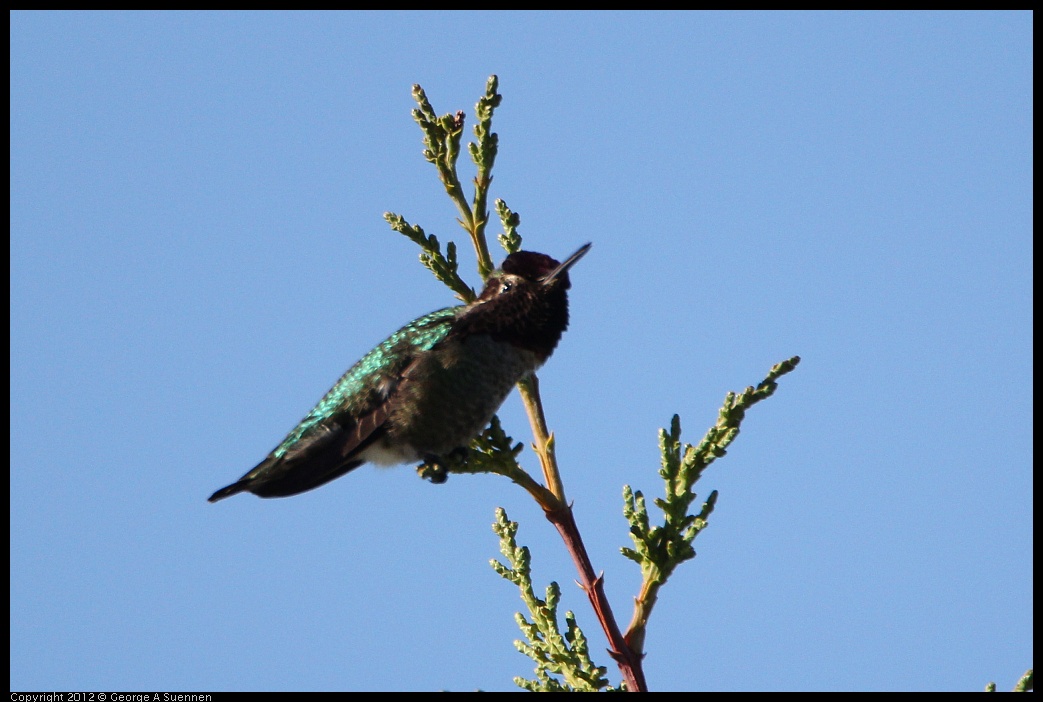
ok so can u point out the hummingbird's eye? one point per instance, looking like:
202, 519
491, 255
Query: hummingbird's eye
505, 287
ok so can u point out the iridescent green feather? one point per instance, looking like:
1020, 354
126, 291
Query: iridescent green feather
359, 388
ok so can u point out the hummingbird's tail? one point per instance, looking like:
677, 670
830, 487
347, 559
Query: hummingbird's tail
233, 489
326, 452
264, 481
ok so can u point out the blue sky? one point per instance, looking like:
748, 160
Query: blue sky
198, 252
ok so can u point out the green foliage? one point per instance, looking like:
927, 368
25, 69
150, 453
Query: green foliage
1024, 683
562, 660
510, 240
492, 451
658, 550
444, 267
442, 135
441, 140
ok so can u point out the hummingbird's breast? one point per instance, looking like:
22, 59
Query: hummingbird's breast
449, 395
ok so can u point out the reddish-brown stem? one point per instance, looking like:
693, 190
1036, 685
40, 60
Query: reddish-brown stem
559, 512
626, 658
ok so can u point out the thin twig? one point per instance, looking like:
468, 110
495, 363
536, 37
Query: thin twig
559, 513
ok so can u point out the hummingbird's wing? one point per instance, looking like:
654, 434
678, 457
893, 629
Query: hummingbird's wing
326, 444
325, 453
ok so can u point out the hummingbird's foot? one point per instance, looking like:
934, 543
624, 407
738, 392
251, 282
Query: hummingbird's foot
433, 469
437, 468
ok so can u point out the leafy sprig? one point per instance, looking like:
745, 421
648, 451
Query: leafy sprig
444, 267
660, 549
563, 661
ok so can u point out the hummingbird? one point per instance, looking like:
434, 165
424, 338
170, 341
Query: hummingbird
429, 388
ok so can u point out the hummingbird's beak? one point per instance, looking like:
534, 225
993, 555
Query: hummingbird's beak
553, 275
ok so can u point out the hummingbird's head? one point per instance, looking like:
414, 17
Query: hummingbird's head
524, 302
541, 268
